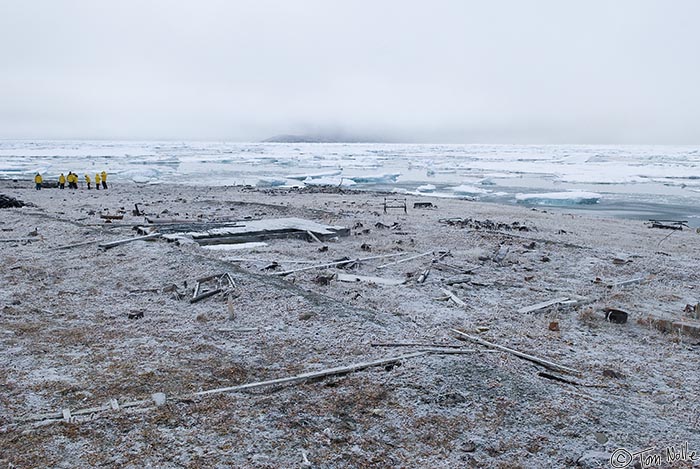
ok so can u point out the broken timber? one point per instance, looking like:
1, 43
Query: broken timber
128, 240
453, 297
542, 362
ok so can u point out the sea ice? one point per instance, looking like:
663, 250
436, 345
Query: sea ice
559, 198
469, 190
329, 181
376, 178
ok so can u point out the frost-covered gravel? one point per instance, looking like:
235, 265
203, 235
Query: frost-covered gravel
67, 343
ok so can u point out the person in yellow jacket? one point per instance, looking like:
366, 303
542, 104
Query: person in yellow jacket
38, 180
97, 181
61, 181
87, 181
104, 179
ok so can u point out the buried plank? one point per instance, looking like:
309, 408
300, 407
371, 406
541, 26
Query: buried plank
128, 240
524, 356
331, 264
360, 278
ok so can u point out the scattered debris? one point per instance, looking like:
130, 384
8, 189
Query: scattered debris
423, 276
453, 297
608, 373
488, 225
135, 315
669, 224
106, 216
393, 202
616, 316
324, 279
692, 310
10, 202
501, 254
222, 282
423, 205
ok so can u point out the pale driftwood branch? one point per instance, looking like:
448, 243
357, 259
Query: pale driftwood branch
331, 264
128, 240
453, 297
311, 375
524, 356
412, 344
405, 260
544, 304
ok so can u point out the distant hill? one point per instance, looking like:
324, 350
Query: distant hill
287, 138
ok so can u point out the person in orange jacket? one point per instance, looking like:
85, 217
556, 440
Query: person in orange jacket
61, 181
104, 179
87, 181
97, 181
38, 180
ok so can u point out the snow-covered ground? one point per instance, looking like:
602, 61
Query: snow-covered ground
83, 328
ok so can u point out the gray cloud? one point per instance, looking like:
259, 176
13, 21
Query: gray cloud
452, 71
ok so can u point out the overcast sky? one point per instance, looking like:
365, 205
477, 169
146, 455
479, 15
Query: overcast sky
488, 71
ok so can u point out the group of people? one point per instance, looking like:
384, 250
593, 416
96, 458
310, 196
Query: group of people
72, 180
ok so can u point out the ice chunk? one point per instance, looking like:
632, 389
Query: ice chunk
271, 182
469, 190
376, 178
426, 188
559, 198
320, 175
329, 181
